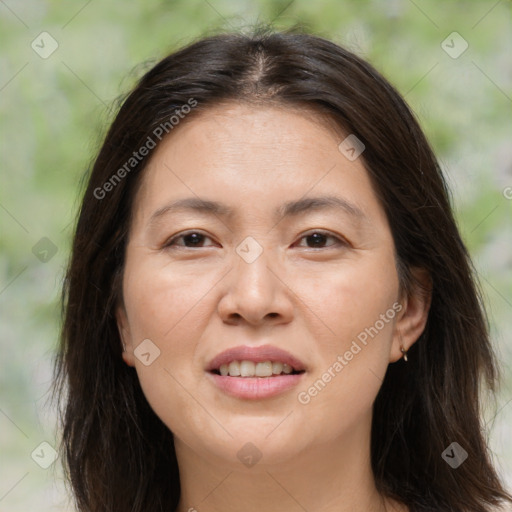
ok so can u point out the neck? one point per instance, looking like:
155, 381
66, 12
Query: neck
334, 476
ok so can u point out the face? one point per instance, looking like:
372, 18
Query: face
272, 274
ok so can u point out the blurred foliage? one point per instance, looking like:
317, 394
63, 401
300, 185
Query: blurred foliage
54, 112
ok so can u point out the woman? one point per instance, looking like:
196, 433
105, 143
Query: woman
268, 304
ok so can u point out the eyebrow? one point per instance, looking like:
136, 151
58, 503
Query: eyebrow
288, 209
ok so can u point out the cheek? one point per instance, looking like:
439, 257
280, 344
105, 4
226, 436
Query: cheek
341, 301
171, 308
162, 302
358, 309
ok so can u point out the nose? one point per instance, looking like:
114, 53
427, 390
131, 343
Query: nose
256, 293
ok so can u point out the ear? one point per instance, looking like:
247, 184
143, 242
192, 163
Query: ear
413, 316
124, 333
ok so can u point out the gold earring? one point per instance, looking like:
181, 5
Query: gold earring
404, 352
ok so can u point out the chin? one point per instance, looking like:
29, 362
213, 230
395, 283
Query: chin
259, 444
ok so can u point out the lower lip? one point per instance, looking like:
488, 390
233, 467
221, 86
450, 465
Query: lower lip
255, 388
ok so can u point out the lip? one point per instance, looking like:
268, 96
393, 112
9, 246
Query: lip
255, 388
257, 355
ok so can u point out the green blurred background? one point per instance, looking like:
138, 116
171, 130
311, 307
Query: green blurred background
54, 109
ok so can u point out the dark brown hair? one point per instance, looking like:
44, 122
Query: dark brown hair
118, 454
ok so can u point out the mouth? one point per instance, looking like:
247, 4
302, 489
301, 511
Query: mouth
255, 373
247, 369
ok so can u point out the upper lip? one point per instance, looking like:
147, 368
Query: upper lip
255, 354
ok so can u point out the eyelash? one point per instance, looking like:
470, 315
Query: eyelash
169, 244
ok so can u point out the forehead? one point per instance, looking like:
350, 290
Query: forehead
253, 131
253, 156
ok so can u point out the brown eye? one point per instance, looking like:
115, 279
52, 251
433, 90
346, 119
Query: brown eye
190, 240
317, 240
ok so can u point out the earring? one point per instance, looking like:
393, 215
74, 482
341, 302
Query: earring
404, 352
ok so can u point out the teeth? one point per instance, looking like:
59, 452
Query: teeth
264, 369
247, 369
277, 368
234, 368
251, 369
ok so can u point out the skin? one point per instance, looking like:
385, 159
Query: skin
311, 300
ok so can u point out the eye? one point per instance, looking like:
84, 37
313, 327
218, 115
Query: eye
194, 238
318, 239
315, 239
